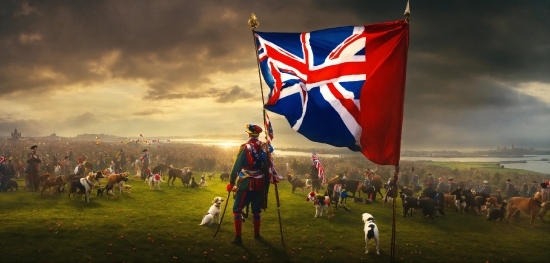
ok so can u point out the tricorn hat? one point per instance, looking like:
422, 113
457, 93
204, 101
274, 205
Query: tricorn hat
34, 147
508, 180
253, 129
144, 150
450, 179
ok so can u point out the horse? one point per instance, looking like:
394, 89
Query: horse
377, 183
352, 186
184, 174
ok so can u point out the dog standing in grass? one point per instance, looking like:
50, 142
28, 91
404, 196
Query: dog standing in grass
213, 214
155, 180
530, 206
371, 232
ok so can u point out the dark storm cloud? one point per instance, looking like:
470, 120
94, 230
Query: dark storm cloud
466, 58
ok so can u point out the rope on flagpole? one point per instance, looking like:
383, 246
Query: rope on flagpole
254, 23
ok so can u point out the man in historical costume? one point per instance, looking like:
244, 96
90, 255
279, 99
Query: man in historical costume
430, 179
451, 186
532, 189
486, 188
33, 169
441, 187
510, 189
368, 177
145, 159
315, 179
247, 179
79, 169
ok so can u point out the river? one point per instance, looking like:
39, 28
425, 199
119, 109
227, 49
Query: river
533, 162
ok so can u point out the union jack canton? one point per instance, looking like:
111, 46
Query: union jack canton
315, 80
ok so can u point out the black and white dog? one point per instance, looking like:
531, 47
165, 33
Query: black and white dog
213, 214
371, 231
85, 185
320, 202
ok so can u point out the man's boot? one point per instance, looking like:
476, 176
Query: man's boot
257, 222
238, 224
237, 240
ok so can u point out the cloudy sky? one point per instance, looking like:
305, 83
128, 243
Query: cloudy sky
478, 72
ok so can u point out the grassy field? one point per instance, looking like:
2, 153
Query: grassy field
163, 226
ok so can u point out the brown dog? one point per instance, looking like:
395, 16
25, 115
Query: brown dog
449, 200
296, 183
491, 202
53, 183
43, 178
530, 206
116, 180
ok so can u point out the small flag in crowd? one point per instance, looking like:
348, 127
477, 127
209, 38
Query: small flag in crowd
318, 166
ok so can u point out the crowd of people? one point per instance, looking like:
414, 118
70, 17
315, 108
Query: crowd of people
62, 157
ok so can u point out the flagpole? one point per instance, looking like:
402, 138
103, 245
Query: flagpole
254, 23
407, 13
395, 181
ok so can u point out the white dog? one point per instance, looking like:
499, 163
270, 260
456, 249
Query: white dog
155, 180
371, 231
213, 214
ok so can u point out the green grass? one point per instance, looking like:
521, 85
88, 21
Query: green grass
162, 226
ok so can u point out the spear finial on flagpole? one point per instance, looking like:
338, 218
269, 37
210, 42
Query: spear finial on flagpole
406, 14
253, 21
